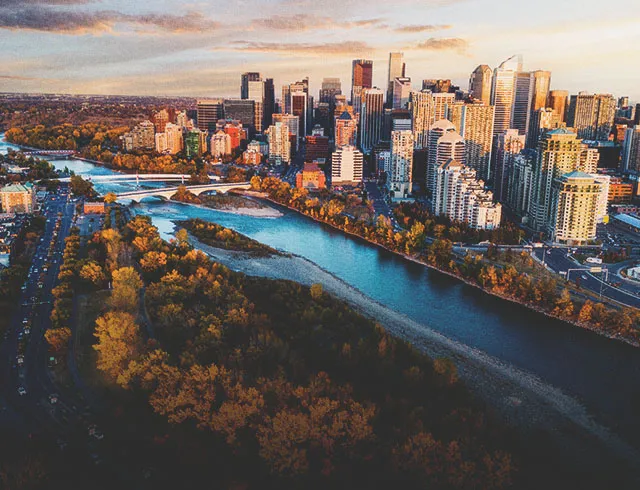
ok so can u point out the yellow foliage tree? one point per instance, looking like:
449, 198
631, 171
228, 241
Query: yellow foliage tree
119, 342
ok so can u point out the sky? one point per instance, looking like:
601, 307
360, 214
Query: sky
200, 48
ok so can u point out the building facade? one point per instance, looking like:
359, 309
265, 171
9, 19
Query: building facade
279, 144
480, 84
18, 198
361, 79
592, 115
346, 166
372, 108
399, 178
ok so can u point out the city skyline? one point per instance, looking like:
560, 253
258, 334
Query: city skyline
113, 47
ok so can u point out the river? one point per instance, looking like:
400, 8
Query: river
601, 374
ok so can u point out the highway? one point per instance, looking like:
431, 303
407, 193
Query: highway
33, 403
558, 261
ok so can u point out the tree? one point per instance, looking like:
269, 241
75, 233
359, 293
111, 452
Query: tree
110, 197
92, 272
126, 289
564, 305
586, 312
58, 338
119, 342
316, 291
81, 187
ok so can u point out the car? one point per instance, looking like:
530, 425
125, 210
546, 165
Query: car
53, 398
584, 277
20, 359
22, 391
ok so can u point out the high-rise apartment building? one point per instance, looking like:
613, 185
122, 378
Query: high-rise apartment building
574, 206
209, 112
503, 89
517, 194
421, 106
372, 106
474, 122
592, 115
399, 179
559, 152
396, 70
220, 144
541, 81
329, 89
440, 102
160, 120
480, 84
195, 143
141, 137
631, 150
558, 101
346, 130
346, 165
361, 79
170, 141
444, 144
508, 145
279, 143
461, 197
293, 124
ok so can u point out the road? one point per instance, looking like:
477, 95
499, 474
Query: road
558, 261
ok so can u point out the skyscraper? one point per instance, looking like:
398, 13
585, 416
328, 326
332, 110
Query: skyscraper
541, 80
476, 127
243, 110
209, 112
401, 90
245, 83
269, 102
371, 113
480, 84
558, 102
518, 191
361, 78
444, 144
346, 165
399, 180
253, 88
631, 150
521, 109
503, 88
396, 70
329, 89
592, 115
292, 123
559, 152
299, 101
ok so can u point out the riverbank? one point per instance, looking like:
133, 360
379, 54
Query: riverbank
547, 313
521, 399
265, 212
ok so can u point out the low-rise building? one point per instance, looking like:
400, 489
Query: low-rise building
311, 178
18, 198
94, 207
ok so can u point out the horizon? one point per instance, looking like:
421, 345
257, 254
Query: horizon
83, 47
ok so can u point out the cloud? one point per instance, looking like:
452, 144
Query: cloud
74, 22
22, 3
15, 77
444, 44
305, 22
294, 49
422, 28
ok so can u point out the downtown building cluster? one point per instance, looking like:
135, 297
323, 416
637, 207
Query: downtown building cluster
511, 143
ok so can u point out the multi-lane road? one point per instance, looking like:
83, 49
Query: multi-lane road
560, 261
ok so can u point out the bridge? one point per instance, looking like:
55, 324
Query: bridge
137, 178
51, 154
167, 192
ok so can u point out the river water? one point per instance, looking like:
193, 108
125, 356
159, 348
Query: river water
602, 374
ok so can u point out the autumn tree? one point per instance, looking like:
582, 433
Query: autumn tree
110, 197
316, 291
92, 272
126, 290
58, 338
119, 342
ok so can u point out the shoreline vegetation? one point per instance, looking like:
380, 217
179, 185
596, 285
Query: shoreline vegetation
542, 295
220, 237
